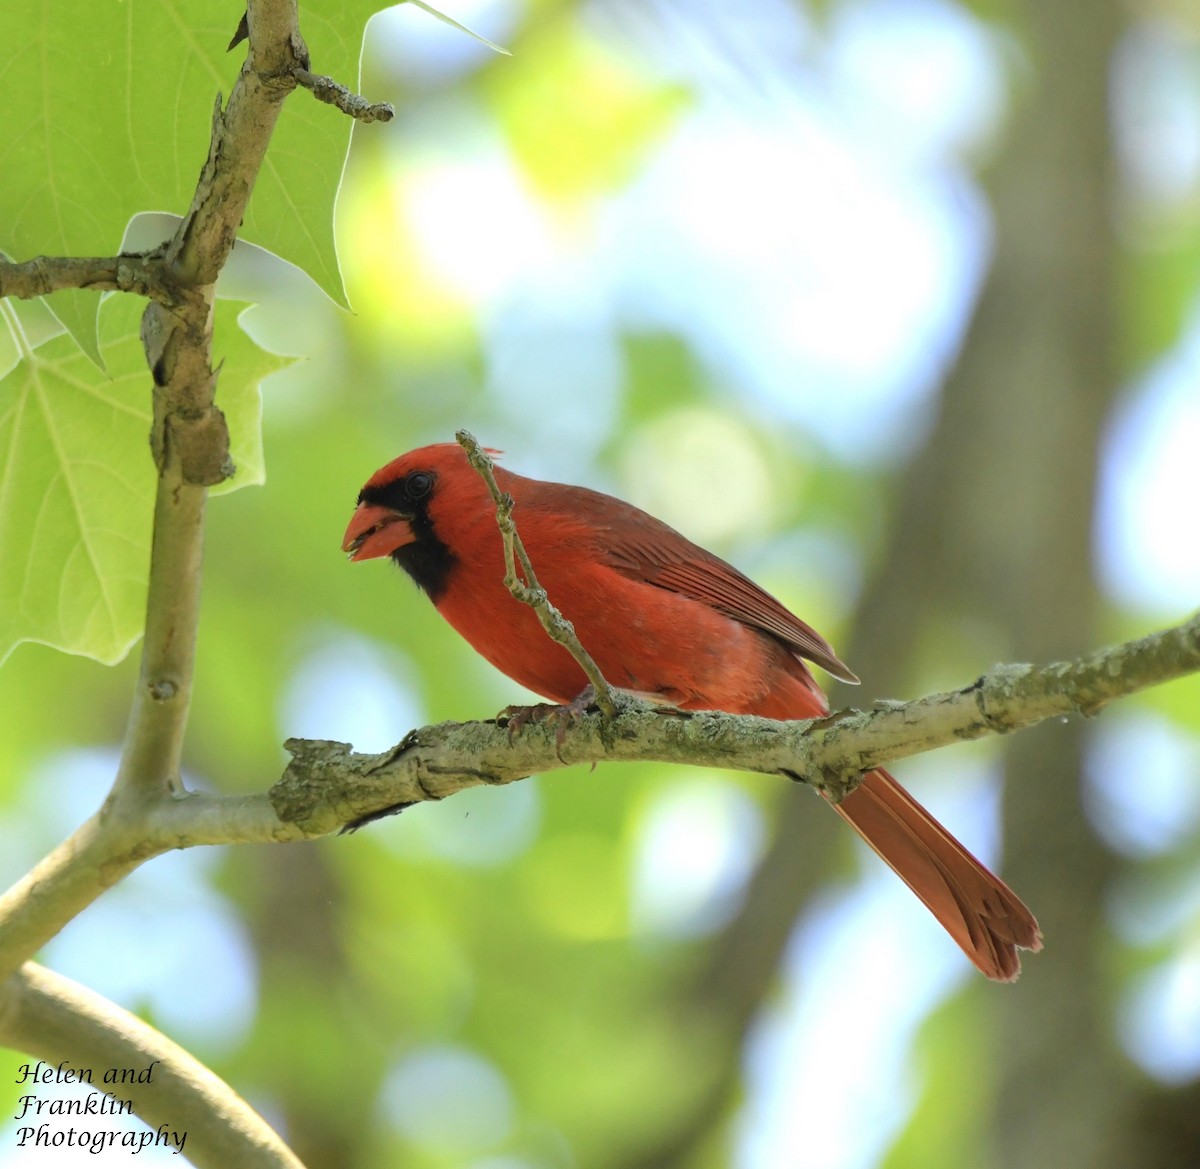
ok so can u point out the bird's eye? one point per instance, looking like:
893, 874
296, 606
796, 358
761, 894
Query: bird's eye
419, 484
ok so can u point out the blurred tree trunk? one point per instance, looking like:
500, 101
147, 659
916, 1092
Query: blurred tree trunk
994, 524
1035, 383
992, 532
308, 990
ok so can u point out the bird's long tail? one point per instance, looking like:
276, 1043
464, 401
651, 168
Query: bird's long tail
978, 910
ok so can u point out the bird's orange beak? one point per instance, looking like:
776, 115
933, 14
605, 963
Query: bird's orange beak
376, 531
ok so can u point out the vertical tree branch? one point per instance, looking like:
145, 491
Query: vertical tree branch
191, 450
190, 440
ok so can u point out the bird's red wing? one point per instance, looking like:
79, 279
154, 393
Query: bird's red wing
674, 562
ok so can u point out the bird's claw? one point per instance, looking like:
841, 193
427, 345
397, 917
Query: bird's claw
516, 718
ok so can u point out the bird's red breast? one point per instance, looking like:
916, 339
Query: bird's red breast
663, 618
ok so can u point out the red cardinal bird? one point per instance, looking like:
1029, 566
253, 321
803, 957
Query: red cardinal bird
669, 621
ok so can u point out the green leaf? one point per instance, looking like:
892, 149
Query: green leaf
114, 105
77, 481
76, 309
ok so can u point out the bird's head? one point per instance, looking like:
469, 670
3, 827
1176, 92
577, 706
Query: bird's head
409, 508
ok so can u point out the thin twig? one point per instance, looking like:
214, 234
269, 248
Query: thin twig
529, 592
335, 94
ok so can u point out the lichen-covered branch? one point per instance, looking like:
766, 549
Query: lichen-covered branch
335, 94
328, 785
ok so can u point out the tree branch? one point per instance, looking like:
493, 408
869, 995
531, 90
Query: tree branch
529, 592
335, 94
190, 440
190, 444
56, 1019
142, 273
327, 785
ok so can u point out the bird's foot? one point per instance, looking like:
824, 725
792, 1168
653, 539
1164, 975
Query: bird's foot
516, 718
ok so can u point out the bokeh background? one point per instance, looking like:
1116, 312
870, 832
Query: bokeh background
894, 304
